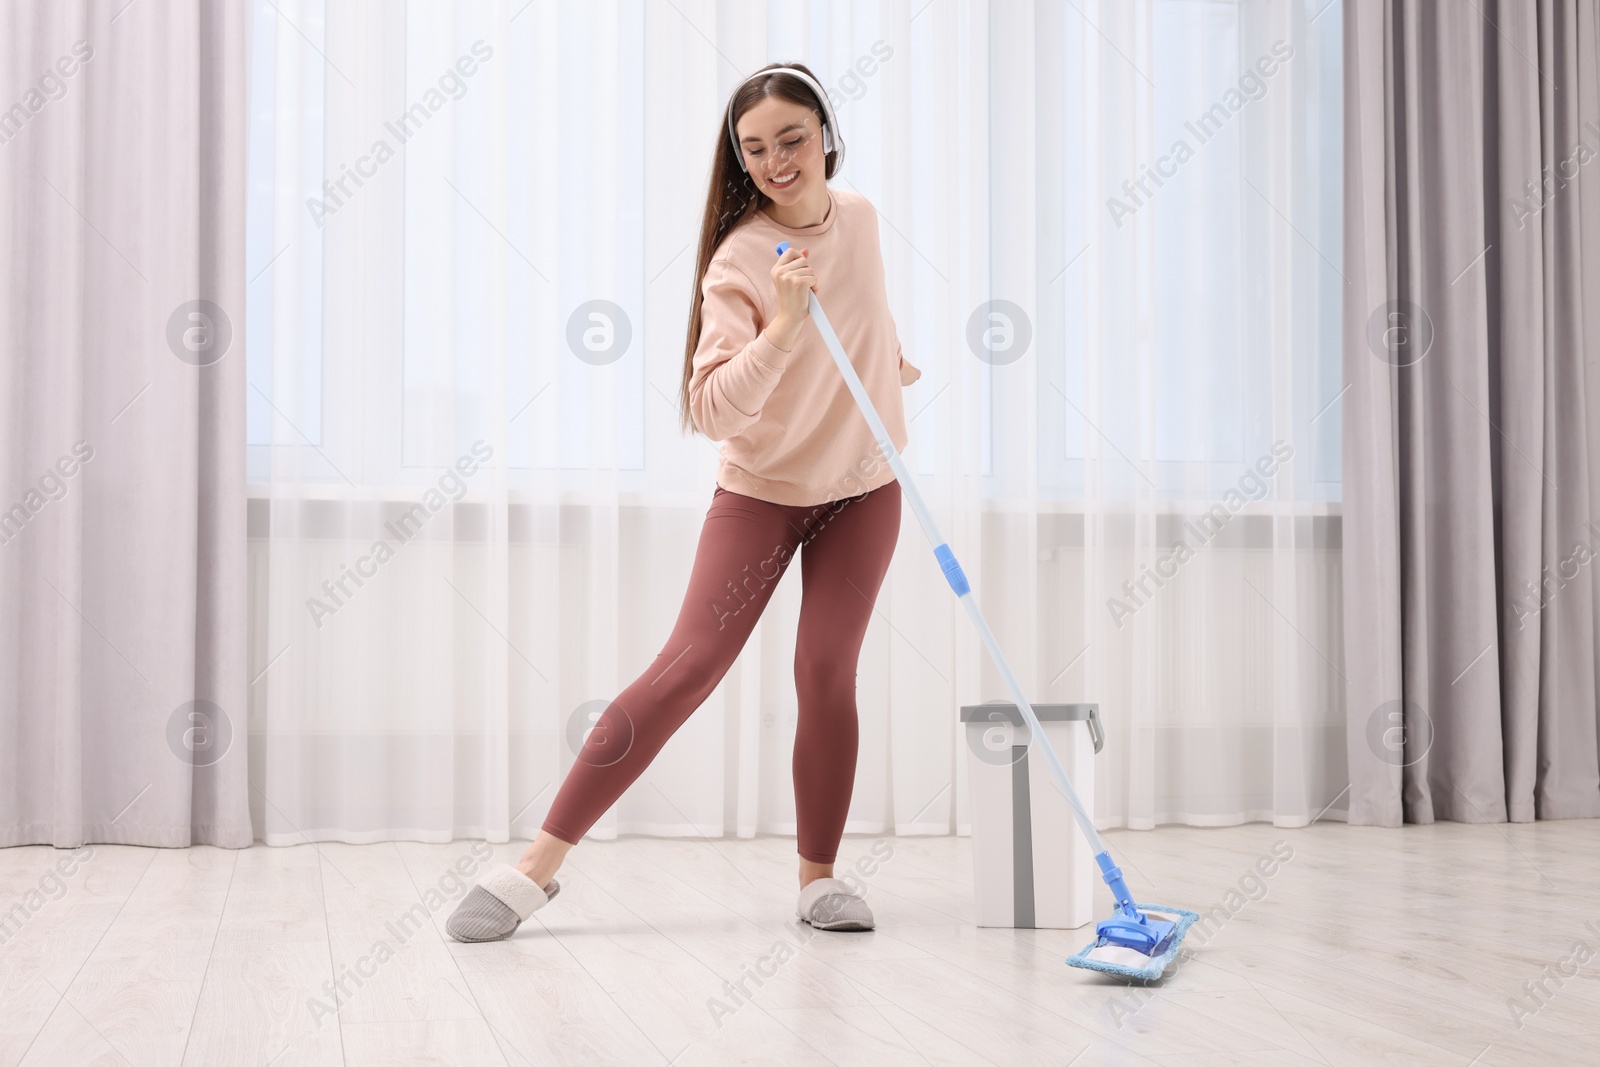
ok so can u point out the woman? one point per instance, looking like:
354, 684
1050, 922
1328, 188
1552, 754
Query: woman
799, 468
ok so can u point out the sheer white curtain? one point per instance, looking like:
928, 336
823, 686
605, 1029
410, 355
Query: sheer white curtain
472, 514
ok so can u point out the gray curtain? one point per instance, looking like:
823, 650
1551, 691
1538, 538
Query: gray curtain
122, 581
1471, 421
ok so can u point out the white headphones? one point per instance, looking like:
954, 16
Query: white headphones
831, 141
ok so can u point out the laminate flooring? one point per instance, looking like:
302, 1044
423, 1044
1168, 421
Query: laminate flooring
1447, 944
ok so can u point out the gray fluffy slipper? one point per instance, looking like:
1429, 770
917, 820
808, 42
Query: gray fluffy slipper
495, 906
831, 904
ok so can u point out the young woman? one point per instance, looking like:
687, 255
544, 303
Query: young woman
800, 474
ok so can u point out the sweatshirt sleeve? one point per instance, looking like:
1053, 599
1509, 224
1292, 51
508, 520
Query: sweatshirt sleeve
735, 366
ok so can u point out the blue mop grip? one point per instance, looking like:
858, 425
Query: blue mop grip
952, 570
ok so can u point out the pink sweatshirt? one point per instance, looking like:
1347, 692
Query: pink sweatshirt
791, 432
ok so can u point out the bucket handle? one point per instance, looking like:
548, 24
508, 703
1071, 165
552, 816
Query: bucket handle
1095, 732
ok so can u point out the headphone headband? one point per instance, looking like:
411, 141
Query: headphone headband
831, 141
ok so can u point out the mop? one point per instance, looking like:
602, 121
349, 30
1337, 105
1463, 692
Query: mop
1139, 940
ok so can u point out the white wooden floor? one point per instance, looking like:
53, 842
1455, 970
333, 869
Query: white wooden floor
1366, 947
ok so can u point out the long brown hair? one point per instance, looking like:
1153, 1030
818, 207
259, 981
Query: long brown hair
733, 195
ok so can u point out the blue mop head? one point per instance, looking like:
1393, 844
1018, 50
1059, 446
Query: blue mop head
1108, 955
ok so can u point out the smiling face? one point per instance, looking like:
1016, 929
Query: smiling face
782, 148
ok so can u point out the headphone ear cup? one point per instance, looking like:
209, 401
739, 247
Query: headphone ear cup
827, 138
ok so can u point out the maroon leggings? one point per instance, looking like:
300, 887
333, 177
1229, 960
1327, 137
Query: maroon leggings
745, 548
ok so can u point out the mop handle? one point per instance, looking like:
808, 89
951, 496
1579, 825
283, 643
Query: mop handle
947, 562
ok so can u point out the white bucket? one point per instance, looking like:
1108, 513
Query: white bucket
1031, 867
